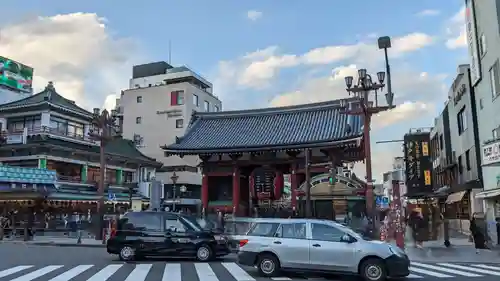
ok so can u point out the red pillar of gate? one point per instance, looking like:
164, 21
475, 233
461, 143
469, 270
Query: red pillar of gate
398, 215
293, 188
236, 190
204, 193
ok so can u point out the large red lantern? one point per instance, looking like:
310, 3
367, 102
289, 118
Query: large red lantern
278, 183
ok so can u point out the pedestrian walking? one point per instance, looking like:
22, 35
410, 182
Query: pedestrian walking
478, 236
417, 225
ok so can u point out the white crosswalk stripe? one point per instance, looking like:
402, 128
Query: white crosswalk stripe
447, 270
478, 270
223, 271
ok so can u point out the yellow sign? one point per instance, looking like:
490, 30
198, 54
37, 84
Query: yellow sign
427, 177
425, 148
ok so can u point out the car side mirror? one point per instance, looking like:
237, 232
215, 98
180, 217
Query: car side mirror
347, 238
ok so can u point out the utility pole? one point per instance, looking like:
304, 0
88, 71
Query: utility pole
104, 130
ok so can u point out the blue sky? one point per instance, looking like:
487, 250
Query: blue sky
87, 48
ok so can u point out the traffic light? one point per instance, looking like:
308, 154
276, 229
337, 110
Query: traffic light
332, 177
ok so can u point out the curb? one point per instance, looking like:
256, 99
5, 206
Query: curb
55, 244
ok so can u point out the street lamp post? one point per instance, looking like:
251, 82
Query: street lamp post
104, 130
361, 90
174, 179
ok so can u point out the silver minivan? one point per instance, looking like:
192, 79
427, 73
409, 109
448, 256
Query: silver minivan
318, 246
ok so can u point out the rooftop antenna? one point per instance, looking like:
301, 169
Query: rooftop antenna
170, 52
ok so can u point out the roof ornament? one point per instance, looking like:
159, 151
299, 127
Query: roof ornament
49, 89
50, 86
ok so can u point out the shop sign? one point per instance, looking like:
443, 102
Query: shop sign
491, 153
418, 164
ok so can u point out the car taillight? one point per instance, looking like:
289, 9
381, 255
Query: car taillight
243, 242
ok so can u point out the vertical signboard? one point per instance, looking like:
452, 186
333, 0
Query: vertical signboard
471, 32
418, 163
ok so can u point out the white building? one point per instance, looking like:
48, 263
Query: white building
397, 173
157, 109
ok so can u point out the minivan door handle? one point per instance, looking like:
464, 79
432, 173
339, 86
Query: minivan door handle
277, 242
316, 245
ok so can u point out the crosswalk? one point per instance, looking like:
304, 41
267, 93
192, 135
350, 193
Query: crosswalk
216, 271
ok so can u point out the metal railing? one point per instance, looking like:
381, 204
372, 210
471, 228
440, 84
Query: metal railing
49, 130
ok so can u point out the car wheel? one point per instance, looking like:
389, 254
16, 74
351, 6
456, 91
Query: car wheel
268, 265
127, 253
204, 253
373, 270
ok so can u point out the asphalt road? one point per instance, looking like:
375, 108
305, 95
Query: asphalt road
42, 263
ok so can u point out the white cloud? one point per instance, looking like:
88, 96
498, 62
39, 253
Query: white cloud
256, 70
428, 13
455, 30
254, 15
407, 87
76, 51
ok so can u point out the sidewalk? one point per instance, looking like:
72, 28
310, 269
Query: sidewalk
57, 241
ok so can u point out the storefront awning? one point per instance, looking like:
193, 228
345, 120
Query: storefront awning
455, 197
488, 193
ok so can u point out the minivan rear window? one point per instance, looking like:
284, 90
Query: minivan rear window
265, 229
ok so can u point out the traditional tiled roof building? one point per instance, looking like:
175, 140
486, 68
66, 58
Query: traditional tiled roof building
244, 154
47, 132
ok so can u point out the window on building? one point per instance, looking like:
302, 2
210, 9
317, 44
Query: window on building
460, 165
441, 142
496, 133
138, 120
495, 80
216, 108
196, 101
177, 98
462, 121
481, 106
482, 45
32, 123
207, 106
139, 99
179, 123
467, 160
75, 129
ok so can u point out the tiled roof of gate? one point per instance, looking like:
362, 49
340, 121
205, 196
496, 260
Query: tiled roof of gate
48, 96
269, 128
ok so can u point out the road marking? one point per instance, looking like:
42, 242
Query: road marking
431, 273
205, 272
172, 272
237, 272
105, 273
13, 270
452, 271
484, 271
414, 276
37, 273
281, 278
486, 266
72, 273
139, 273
